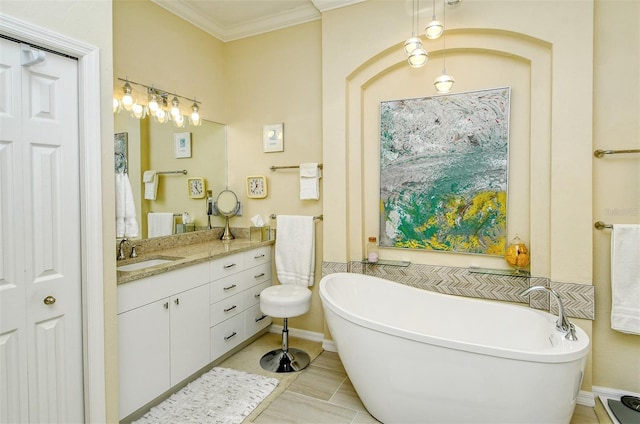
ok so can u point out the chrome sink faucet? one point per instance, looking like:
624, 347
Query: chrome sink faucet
563, 324
121, 254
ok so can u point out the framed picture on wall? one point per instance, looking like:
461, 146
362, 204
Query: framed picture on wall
443, 172
273, 138
182, 145
120, 148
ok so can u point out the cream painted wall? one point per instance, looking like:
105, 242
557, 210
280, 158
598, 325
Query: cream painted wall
154, 47
90, 22
273, 78
542, 50
616, 180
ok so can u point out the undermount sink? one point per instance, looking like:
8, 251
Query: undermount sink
147, 263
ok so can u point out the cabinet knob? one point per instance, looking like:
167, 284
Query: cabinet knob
229, 266
259, 256
166, 305
259, 275
261, 318
230, 335
233, 286
230, 309
49, 300
177, 301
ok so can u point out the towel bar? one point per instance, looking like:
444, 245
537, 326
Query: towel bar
315, 218
600, 225
273, 168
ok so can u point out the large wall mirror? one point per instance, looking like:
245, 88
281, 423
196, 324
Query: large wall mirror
152, 146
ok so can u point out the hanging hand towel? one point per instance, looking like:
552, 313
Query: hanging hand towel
625, 278
150, 180
309, 181
159, 224
295, 250
126, 222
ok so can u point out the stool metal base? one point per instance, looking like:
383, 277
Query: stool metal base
280, 361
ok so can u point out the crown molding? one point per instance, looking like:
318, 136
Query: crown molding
326, 5
299, 15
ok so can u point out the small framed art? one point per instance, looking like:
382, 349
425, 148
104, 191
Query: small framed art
182, 144
273, 138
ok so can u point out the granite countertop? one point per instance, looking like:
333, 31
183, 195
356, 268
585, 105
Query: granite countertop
186, 255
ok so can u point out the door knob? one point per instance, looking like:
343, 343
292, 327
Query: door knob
49, 300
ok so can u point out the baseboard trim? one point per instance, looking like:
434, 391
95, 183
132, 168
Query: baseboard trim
586, 399
329, 345
609, 393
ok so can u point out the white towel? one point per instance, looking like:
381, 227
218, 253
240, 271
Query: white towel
159, 224
150, 180
309, 181
126, 222
295, 250
625, 278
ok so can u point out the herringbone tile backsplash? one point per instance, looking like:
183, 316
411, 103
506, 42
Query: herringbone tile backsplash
578, 299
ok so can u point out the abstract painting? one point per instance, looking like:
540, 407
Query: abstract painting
443, 172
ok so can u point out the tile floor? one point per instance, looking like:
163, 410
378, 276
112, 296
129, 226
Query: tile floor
321, 393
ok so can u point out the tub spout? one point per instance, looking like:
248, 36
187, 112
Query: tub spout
562, 324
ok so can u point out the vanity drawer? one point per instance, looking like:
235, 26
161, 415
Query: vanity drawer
255, 320
258, 274
257, 256
226, 308
226, 265
228, 286
150, 289
227, 335
252, 295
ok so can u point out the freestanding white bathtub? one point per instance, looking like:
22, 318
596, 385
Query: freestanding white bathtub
416, 356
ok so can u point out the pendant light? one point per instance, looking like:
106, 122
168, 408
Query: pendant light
444, 83
418, 56
434, 29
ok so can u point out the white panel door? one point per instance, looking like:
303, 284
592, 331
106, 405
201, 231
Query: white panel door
40, 274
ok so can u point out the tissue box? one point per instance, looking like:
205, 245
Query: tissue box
185, 228
259, 233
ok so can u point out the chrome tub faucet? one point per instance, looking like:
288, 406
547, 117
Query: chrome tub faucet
563, 324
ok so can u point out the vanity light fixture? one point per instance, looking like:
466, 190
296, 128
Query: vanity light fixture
418, 56
157, 105
444, 83
434, 29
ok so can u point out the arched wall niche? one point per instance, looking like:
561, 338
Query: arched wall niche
479, 59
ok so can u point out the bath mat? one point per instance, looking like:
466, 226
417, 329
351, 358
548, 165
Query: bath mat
222, 395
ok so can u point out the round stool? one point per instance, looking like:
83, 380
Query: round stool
285, 301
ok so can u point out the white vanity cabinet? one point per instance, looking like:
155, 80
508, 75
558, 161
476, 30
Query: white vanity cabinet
172, 324
163, 333
234, 296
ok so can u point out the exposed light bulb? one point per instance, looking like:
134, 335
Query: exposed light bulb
138, 111
116, 105
153, 103
179, 121
175, 107
418, 58
194, 118
161, 116
127, 98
